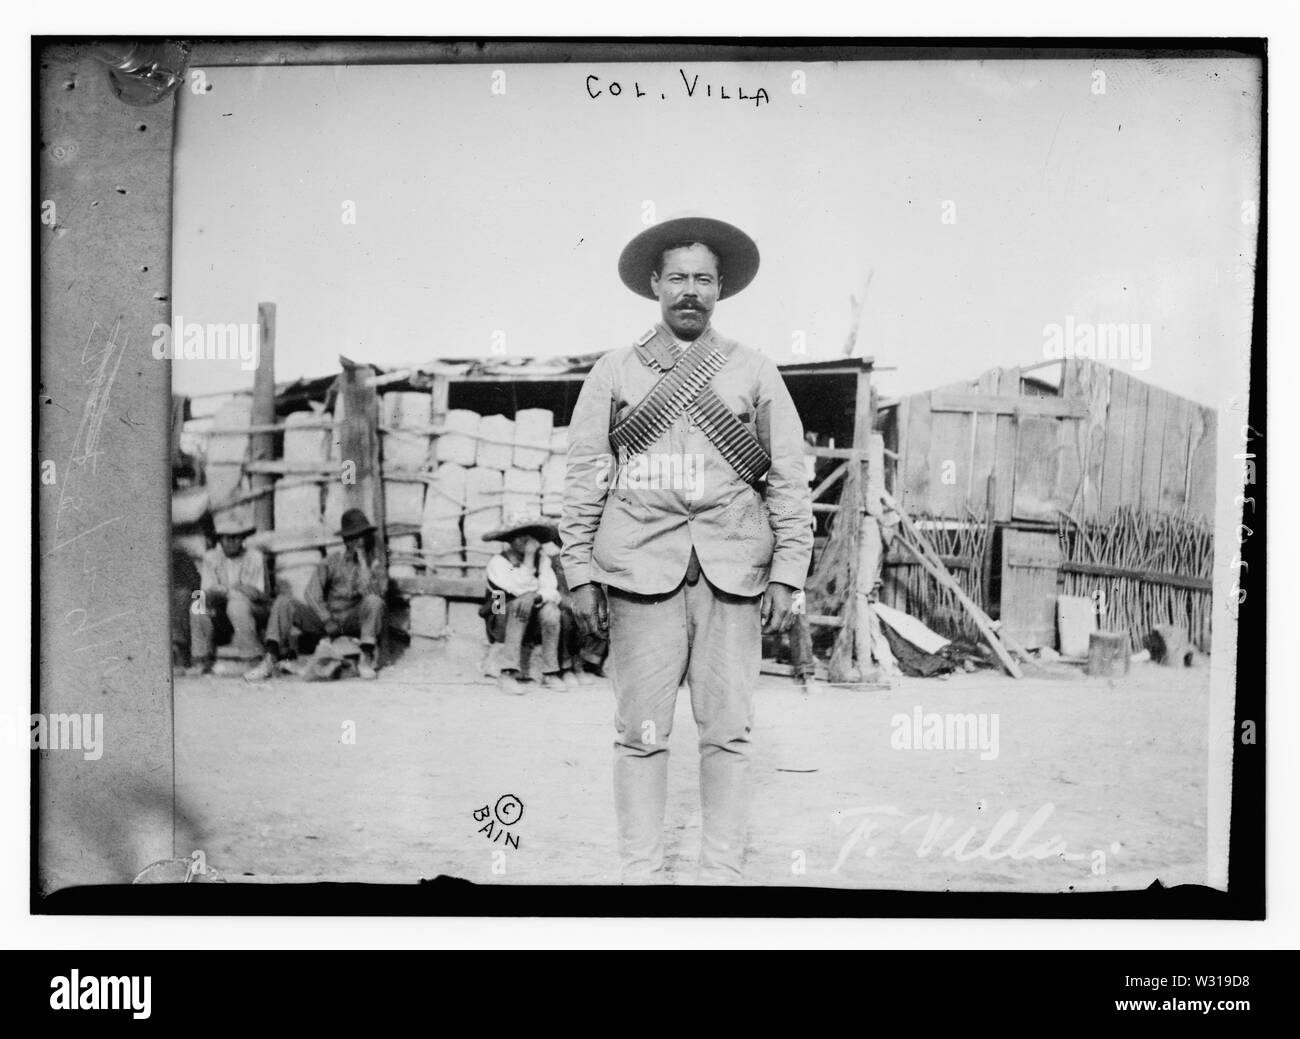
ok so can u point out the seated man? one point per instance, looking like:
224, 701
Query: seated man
344, 597
232, 602
523, 601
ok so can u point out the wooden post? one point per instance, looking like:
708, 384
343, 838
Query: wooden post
986, 564
875, 475
379, 502
1108, 653
359, 440
263, 444
438, 410
869, 557
441, 394
868, 546
902, 415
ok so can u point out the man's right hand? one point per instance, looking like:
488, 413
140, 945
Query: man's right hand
590, 610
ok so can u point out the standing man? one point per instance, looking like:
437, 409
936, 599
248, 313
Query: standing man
686, 530
345, 596
234, 602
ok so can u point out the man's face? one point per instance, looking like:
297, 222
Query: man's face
232, 544
523, 544
687, 288
353, 545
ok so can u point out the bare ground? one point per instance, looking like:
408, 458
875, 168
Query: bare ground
1113, 771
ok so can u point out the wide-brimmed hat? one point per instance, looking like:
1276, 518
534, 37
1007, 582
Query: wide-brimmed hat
355, 522
736, 252
518, 523
234, 521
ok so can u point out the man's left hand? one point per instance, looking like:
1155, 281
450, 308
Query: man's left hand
778, 601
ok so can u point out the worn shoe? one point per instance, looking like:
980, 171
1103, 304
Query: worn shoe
263, 672
509, 683
555, 682
366, 669
580, 678
199, 669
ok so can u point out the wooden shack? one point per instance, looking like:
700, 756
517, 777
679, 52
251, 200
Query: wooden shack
1066, 477
437, 453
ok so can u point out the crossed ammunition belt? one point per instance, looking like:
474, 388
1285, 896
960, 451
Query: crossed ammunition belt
685, 389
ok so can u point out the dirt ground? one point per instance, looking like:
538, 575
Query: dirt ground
1097, 784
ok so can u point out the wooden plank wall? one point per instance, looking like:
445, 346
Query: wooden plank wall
1092, 383
1200, 476
916, 469
1174, 458
1004, 456
1136, 445
1037, 472
983, 450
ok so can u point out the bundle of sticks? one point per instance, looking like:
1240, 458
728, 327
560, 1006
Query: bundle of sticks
1167, 561
909, 587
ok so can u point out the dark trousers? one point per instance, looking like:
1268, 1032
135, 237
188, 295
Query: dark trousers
522, 622
226, 617
364, 621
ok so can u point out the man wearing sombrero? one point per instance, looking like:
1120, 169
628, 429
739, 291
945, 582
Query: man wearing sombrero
345, 596
523, 599
687, 528
234, 604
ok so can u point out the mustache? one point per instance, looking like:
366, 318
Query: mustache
688, 305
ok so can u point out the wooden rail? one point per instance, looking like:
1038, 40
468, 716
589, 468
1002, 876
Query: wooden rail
1198, 584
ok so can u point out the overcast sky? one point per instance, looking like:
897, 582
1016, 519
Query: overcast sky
478, 213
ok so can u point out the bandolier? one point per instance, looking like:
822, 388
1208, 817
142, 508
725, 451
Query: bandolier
683, 388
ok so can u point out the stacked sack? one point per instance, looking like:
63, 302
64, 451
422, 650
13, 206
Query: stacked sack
404, 448
452, 487
299, 501
487, 467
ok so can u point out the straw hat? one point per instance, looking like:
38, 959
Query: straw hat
234, 521
518, 523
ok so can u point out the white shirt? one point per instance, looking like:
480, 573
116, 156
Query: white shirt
518, 579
